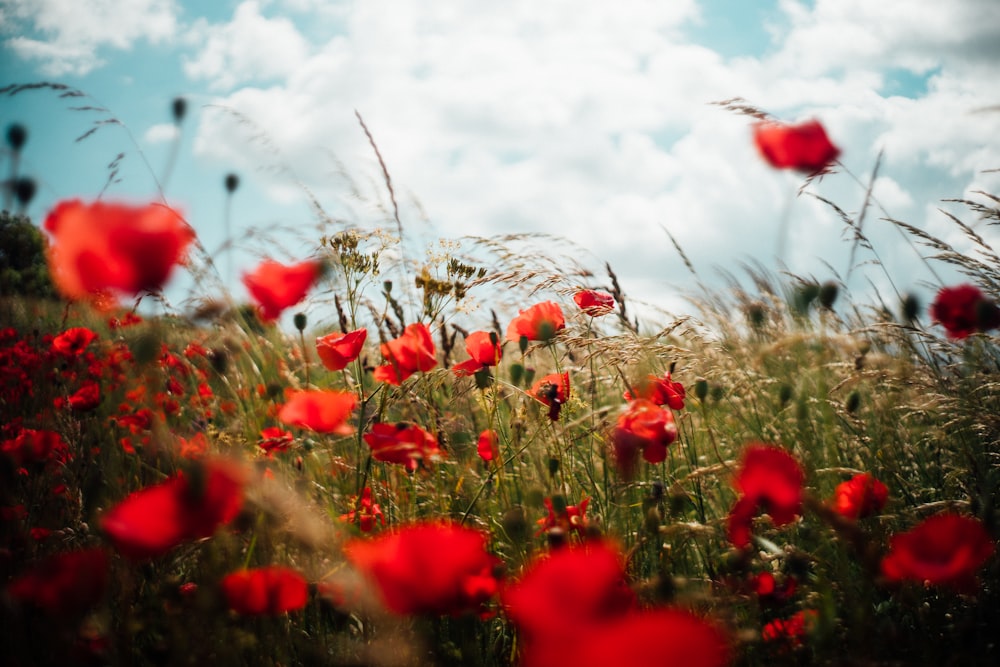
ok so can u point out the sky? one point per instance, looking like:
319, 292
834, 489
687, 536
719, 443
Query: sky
592, 122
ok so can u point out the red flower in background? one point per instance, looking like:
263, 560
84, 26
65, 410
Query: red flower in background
275, 286
402, 443
793, 630
553, 391
411, 352
73, 341
31, 446
270, 590
64, 585
336, 350
804, 147
86, 398
646, 427
320, 411
569, 518
428, 568
99, 248
860, 496
154, 520
366, 514
273, 439
963, 310
488, 445
539, 322
769, 479
659, 390
593, 303
484, 350
945, 549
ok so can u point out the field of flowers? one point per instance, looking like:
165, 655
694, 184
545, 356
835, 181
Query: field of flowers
789, 478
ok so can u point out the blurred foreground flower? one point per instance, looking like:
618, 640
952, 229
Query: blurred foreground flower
963, 310
336, 350
804, 147
154, 520
411, 352
428, 568
945, 549
323, 411
859, 497
270, 591
769, 480
402, 443
275, 287
100, 249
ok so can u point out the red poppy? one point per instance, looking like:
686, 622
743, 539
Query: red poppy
945, 549
791, 631
804, 147
406, 444
100, 247
643, 426
64, 585
73, 341
765, 585
566, 593
270, 590
594, 303
273, 439
428, 568
336, 350
539, 322
86, 398
963, 310
569, 518
653, 638
194, 447
318, 410
275, 286
153, 520
769, 479
659, 390
484, 350
553, 391
411, 352
367, 513
488, 445
31, 446
860, 496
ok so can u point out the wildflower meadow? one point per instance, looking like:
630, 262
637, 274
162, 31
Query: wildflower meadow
486, 456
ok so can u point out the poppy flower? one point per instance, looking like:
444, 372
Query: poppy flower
769, 479
804, 147
484, 350
273, 439
402, 443
539, 322
646, 427
261, 591
566, 593
765, 585
488, 445
594, 303
553, 391
859, 497
185, 507
323, 411
64, 585
103, 248
275, 286
653, 638
568, 518
73, 341
659, 390
35, 446
411, 352
434, 567
366, 514
86, 398
945, 549
963, 310
792, 631
336, 350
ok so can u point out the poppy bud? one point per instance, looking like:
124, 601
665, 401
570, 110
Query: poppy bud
516, 373
232, 182
387, 286
828, 294
701, 388
910, 307
17, 135
483, 378
515, 524
529, 376
756, 314
553, 469
300, 321
653, 520
853, 402
24, 191
179, 109
784, 393
522, 344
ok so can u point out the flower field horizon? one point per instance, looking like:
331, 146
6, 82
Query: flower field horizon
786, 477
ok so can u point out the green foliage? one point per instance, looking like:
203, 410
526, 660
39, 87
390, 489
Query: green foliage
23, 270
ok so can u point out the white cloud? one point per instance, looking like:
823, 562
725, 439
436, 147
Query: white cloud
161, 133
249, 48
72, 33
